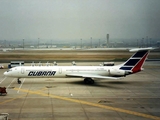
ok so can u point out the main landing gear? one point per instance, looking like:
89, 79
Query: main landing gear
88, 81
19, 82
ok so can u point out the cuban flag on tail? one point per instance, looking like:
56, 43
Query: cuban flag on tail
135, 62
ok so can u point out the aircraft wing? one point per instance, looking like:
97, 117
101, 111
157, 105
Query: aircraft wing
90, 76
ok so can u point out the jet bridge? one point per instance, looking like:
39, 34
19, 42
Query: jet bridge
15, 64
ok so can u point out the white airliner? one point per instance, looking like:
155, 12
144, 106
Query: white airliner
132, 65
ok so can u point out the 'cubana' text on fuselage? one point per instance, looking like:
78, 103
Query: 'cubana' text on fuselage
41, 73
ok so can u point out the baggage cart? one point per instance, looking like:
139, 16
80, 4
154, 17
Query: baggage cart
3, 91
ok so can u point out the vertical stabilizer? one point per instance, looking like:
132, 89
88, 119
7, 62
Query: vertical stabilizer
135, 62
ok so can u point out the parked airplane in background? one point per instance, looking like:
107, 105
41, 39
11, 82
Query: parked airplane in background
132, 65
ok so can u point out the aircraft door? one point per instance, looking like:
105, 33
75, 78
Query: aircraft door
60, 70
22, 70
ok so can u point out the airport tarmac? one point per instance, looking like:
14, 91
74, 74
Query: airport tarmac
134, 97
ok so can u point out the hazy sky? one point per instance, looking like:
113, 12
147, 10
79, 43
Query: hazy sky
76, 19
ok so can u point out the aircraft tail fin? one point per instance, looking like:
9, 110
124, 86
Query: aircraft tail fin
135, 62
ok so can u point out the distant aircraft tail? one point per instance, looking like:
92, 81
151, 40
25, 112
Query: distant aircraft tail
135, 62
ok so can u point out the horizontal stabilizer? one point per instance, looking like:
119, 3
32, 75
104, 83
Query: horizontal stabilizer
91, 76
141, 49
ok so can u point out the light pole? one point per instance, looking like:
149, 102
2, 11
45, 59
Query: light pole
91, 42
38, 43
23, 44
81, 43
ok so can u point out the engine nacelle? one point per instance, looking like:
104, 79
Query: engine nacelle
117, 72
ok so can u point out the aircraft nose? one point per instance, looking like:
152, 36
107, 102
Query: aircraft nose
5, 73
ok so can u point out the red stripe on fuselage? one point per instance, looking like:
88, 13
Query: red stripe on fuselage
138, 66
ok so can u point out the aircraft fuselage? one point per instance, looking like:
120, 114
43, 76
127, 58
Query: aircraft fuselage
58, 71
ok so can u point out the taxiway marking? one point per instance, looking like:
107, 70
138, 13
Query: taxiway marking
11, 83
9, 100
92, 104
3, 80
21, 85
6, 101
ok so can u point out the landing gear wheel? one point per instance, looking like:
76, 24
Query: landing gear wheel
19, 82
92, 82
88, 81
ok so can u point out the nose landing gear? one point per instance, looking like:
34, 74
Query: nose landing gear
18, 80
